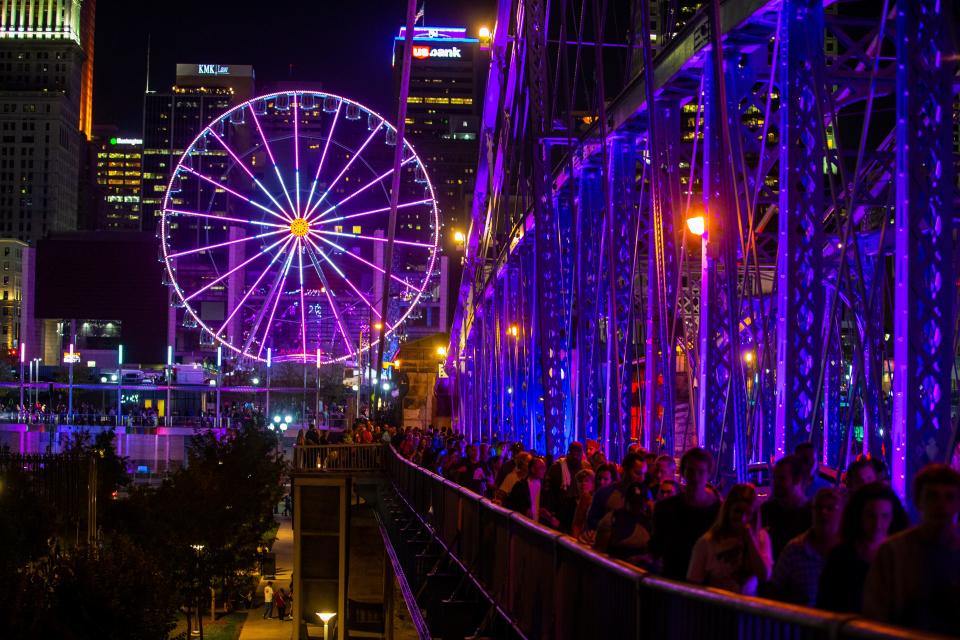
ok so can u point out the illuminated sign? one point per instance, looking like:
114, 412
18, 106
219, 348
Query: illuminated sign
134, 141
71, 357
422, 51
213, 70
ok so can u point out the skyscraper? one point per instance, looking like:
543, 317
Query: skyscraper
172, 119
45, 96
119, 170
444, 104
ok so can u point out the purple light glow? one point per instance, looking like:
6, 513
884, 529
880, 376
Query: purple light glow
197, 214
224, 244
346, 167
273, 161
361, 189
369, 264
373, 238
345, 278
296, 153
323, 156
276, 301
303, 302
251, 289
247, 171
220, 185
372, 211
235, 269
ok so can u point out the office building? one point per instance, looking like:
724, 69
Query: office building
172, 119
118, 166
45, 98
444, 104
16, 288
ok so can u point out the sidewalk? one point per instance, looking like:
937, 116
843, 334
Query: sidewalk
256, 628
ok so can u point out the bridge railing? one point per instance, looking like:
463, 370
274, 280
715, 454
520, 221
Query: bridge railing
338, 457
553, 587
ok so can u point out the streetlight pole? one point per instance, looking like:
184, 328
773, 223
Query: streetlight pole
23, 356
219, 379
269, 367
120, 385
70, 393
167, 419
316, 411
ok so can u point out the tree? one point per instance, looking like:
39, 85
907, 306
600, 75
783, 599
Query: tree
114, 590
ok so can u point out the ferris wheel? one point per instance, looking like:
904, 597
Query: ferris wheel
274, 228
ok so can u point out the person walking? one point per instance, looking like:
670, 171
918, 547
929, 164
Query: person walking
281, 604
268, 601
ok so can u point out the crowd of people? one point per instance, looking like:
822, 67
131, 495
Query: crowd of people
846, 548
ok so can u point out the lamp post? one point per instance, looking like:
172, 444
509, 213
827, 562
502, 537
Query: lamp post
219, 379
316, 410
70, 392
325, 618
166, 418
198, 548
269, 366
30, 387
120, 385
23, 357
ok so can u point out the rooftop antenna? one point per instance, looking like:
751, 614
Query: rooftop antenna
148, 63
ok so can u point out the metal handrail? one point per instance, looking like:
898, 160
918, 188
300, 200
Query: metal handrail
338, 457
538, 603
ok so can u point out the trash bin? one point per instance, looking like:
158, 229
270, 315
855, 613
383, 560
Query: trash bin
268, 565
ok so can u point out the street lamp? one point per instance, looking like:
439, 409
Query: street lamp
269, 366
199, 631
23, 357
219, 379
325, 617
119, 385
697, 224
167, 418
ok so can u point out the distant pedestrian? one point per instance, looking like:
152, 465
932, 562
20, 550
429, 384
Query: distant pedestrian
287, 500
281, 605
268, 601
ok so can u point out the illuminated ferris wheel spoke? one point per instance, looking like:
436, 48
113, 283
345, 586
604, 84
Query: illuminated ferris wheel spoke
345, 168
253, 288
323, 156
296, 158
197, 214
409, 243
330, 301
220, 185
276, 302
374, 211
273, 161
256, 181
303, 301
259, 254
369, 264
344, 277
278, 290
225, 244
361, 190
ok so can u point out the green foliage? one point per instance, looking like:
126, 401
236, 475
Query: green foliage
111, 468
114, 590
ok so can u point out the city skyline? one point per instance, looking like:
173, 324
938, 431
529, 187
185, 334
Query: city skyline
352, 60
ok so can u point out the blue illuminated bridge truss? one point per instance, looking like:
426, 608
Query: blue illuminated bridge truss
723, 223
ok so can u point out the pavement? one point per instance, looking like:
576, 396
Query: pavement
256, 628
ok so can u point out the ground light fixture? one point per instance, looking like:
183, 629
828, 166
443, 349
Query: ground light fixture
255, 381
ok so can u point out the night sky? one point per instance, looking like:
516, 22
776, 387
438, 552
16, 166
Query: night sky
344, 44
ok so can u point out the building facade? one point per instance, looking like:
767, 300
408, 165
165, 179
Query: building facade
16, 278
444, 105
171, 120
45, 95
119, 170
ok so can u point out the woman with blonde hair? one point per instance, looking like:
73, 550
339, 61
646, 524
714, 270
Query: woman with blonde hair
735, 554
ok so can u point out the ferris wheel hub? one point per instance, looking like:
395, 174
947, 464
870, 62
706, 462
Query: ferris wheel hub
299, 227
